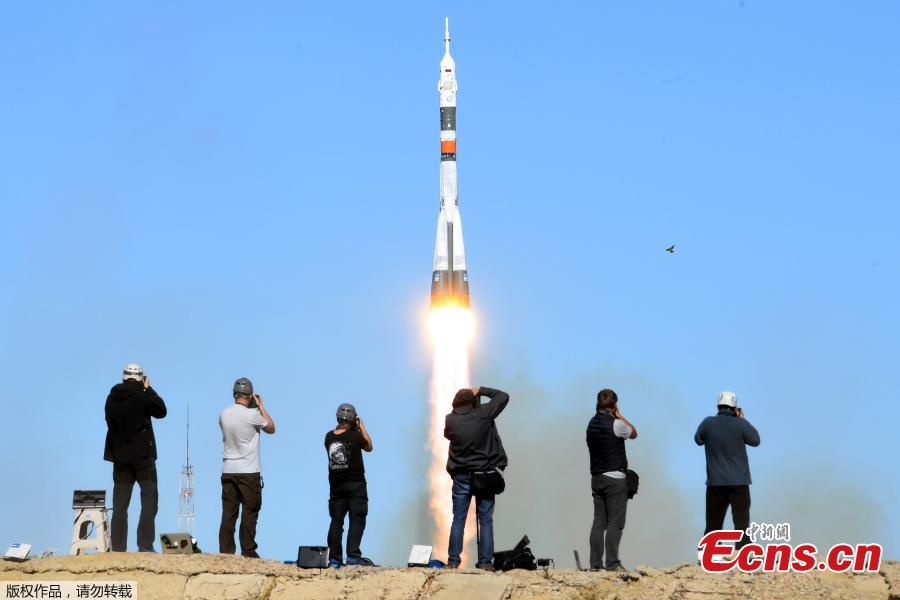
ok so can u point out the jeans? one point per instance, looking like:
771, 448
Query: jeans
143, 471
610, 502
718, 498
240, 491
484, 511
347, 497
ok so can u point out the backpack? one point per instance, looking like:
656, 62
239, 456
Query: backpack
519, 557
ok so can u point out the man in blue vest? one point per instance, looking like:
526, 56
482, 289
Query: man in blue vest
726, 437
606, 435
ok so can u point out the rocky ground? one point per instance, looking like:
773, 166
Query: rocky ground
221, 577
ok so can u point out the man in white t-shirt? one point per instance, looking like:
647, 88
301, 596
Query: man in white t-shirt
241, 479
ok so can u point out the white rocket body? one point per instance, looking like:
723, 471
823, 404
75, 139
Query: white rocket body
450, 280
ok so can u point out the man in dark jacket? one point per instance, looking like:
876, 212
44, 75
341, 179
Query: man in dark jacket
131, 447
726, 437
606, 435
475, 462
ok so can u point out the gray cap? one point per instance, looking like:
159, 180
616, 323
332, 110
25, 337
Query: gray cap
346, 412
243, 386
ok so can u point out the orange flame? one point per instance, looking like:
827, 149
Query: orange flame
451, 329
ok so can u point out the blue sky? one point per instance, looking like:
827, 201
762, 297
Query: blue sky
216, 190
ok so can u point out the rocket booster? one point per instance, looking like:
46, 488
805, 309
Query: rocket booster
450, 279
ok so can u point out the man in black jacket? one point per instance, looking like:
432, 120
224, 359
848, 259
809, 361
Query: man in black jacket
131, 447
726, 437
606, 435
475, 462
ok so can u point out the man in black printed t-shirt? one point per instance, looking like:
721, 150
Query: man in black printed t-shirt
347, 480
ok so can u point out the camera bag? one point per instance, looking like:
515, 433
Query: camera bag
488, 483
312, 557
632, 479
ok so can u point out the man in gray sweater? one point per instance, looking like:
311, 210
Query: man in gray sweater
726, 437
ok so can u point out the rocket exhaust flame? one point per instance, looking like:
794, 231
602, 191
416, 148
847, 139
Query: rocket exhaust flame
451, 330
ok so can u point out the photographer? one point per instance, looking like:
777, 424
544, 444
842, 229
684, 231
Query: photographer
241, 478
131, 447
347, 483
606, 435
726, 437
475, 462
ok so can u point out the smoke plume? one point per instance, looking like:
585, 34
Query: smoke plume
548, 495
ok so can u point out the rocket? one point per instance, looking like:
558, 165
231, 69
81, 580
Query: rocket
450, 279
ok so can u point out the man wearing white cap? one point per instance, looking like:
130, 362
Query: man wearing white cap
725, 438
131, 447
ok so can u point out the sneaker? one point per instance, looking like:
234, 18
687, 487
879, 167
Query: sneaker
617, 569
334, 564
451, 566
251, 554
361, 562
485, 566
150, 549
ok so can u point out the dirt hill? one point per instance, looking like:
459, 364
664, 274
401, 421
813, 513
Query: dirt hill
222, 577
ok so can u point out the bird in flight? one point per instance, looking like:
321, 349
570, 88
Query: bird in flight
671, 249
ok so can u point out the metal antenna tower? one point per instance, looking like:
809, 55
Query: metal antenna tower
186, 489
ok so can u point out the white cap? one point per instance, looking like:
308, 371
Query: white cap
133, 371
727, 398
